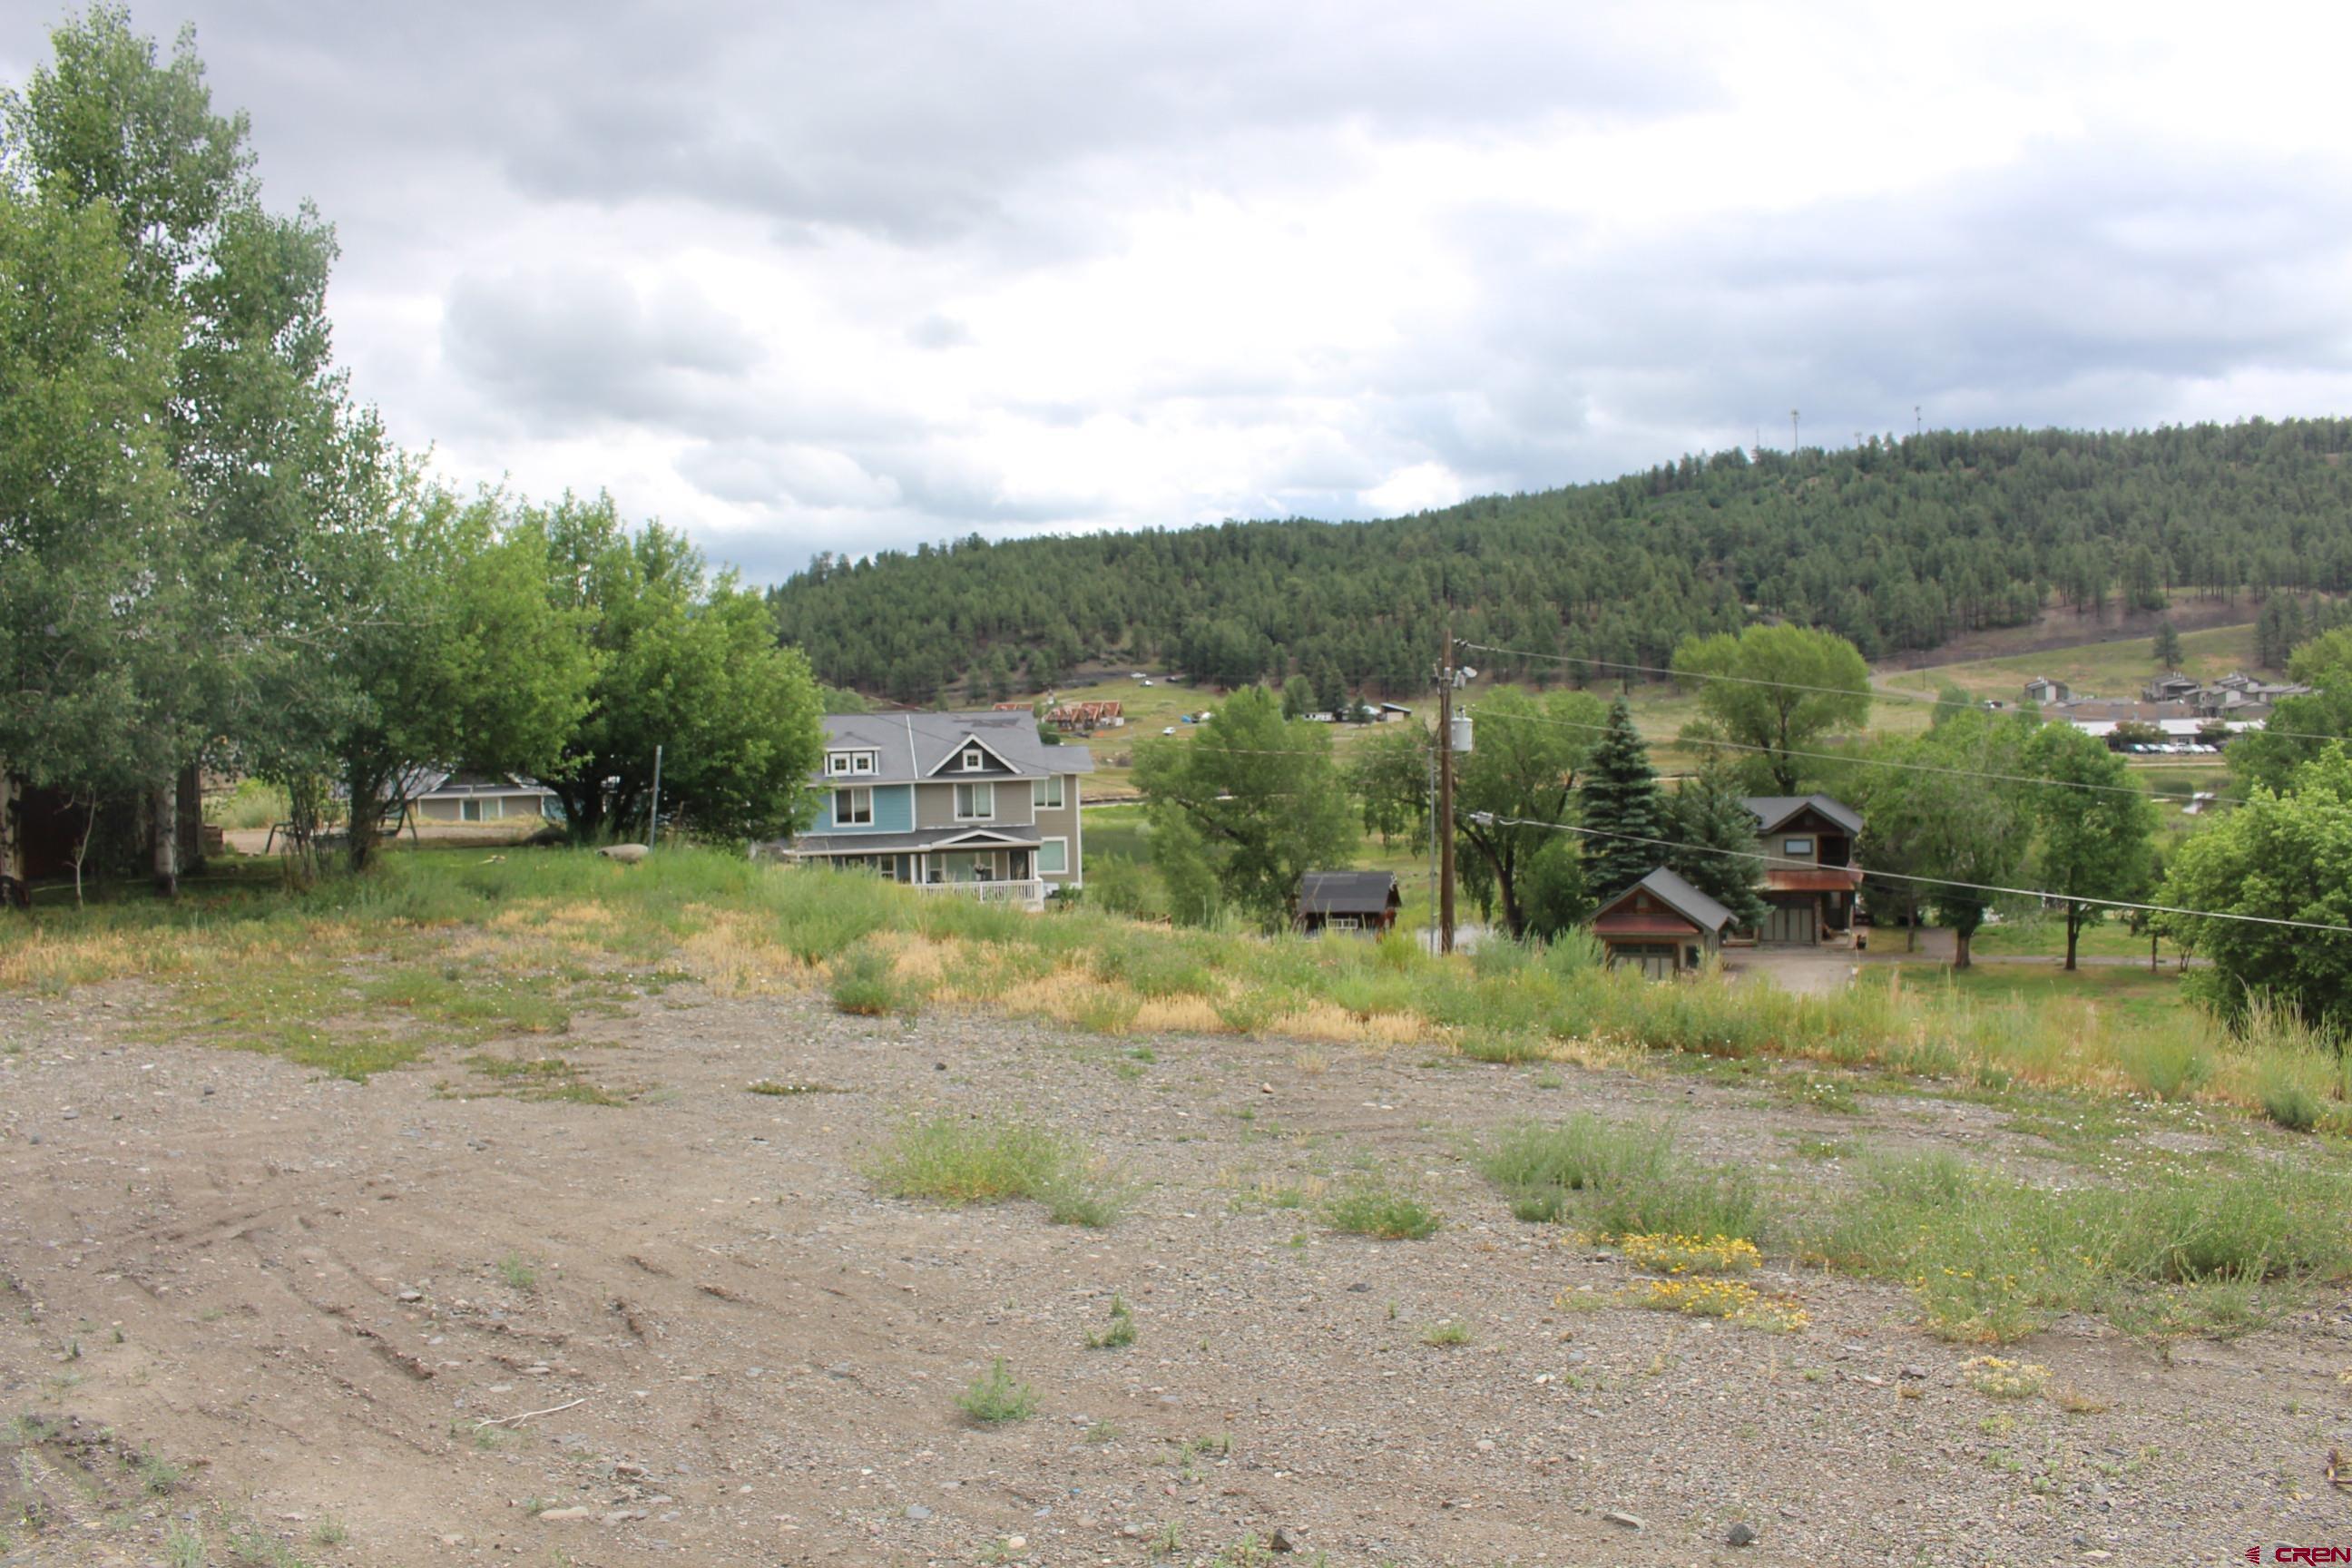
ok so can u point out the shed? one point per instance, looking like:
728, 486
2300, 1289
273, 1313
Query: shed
1661, 924
1363, 901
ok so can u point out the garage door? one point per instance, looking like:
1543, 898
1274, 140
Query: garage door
1653, 959
1791, 923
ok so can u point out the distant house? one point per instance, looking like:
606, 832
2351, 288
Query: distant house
974, 803
1085, 717
1390, 714
2042, 690
1365, 902
1662, 925
2173, 688
1810, 876
480, 797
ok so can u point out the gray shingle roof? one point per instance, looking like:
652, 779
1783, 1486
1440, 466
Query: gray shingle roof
911, 746
1345, 892
1771, 810
980, 836
1682, 898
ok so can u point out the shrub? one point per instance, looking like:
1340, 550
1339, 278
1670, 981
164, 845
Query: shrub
996, 1398
1445, 1336
2168, 1063
1506, 1049
1997, 1379
1689, 1254
1629, 1178
865, 982
1121, 1333
1368, 1205
953, 1160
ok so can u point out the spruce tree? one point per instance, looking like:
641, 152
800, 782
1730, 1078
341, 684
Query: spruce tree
2167, 645
1619, 800
1708, 817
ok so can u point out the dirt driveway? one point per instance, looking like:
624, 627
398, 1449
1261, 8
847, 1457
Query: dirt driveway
412, 1323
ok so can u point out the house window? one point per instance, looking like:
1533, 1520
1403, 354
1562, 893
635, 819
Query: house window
1346, 922
1796, 847
1054, 857
863, 762
837, 762
975, 802
1045, 794
852, 807
477, 811
974, 759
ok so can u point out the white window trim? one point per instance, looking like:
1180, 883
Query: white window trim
1040, 788
862, 763
853, 819
1039, 859
988, 816
975, 758
1788, 845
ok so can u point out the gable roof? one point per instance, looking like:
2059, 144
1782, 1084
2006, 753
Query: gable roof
909, 747
1678, 895
1346, 892
1771, 810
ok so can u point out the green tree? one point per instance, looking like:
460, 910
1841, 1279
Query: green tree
276, 471
1243, 809
1389, 774
1777, 689
2299, 728
1297, 698
1330, 691
94, 579
465, 660
1521, 777
1936, 812
1619, 802
1717, 833
686, 661
2167, 645
2097, 826
1553, 897
2279, 856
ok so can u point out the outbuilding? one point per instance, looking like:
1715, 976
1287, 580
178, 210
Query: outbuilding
1662, 925
1363, 903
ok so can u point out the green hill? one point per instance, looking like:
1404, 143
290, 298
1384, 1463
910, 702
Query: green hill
1899, 545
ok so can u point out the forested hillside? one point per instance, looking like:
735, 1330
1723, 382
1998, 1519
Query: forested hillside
1895, 544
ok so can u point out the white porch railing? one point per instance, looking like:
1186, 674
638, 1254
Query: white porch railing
1030, 893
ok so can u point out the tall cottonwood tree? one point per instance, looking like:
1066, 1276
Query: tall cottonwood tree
1520, 777
2097, 827
269, 455
686, 660
1775, 691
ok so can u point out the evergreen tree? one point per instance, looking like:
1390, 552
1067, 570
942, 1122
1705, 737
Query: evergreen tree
1330, 691
1619, 802
1719, 836
2167, 645
1297, 698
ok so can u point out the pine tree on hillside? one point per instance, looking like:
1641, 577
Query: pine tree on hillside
2167, 645
1619, 798
1707, 816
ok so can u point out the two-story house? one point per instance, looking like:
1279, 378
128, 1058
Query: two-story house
971, 802
1810, 876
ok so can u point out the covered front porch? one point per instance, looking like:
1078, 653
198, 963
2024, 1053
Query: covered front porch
995, 865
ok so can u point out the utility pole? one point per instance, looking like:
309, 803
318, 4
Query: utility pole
1793, 432
653, 822
1445, 795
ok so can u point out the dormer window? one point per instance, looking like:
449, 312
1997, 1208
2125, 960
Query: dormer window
837, 762
974, 759
846, 765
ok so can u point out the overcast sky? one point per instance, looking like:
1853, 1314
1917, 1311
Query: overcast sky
838, 276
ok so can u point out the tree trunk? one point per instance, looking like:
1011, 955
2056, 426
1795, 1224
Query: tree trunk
366, 812
191, 817
163, 813
2073, 929
1960, 939
12, 842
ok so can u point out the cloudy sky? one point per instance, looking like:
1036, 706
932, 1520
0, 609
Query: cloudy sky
808, 277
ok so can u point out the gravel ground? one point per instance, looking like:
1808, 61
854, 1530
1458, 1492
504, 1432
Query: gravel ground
305, 1294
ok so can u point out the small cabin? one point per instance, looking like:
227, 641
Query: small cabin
1661, 925
1363, 903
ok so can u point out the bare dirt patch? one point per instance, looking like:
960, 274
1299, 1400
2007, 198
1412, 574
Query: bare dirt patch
406, 1322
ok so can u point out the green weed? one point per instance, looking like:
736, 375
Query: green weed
996, 1398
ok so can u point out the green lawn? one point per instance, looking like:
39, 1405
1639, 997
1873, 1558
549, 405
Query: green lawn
2115, 669
2132, 994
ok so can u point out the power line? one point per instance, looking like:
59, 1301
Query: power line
1860, 761
1970, 704
1490, 818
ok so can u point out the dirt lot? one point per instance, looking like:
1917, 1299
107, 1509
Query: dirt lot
242, 1296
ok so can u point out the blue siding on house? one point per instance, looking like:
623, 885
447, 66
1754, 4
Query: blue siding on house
894, 812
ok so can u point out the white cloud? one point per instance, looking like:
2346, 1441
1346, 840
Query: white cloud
854, 275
